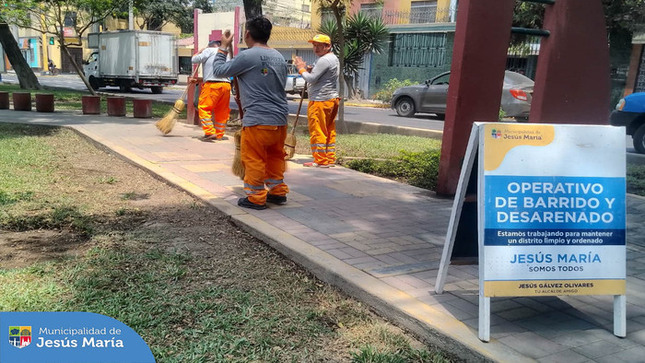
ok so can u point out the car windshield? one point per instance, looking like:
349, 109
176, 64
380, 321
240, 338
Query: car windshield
516, 78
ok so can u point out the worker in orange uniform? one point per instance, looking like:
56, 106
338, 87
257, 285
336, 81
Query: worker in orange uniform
214, 96
322, 83
261, 73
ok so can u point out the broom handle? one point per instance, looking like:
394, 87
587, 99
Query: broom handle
236, 87
192, 76
302, 97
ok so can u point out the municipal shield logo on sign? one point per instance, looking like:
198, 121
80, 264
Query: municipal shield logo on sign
20, 336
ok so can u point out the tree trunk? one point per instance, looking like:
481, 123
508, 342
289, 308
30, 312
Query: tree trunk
78, 69
351, 91
340, 123
252, 9
25, 74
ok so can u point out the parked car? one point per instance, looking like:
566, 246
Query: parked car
295, 83
630, 112
431, 97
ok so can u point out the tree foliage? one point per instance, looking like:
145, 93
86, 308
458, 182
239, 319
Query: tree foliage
52, 16
153, 15
619, 14
339, 9
363, 35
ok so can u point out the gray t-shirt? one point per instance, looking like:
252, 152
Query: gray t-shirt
261, 74
322, 82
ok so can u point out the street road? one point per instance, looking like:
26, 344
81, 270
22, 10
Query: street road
170, 94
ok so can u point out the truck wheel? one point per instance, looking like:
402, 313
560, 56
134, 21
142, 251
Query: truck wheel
125, 86
94, 83
156, 89
639, 139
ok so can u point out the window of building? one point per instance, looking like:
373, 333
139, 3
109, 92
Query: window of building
372, 10
423, 12
70, 19
418, 50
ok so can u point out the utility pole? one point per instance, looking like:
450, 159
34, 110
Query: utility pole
130, 16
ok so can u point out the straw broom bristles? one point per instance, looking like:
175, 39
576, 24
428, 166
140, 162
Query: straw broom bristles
290, 140
238, 167
166, 124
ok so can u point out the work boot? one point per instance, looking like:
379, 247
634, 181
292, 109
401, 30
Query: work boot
208, 138
277, 199
246, 203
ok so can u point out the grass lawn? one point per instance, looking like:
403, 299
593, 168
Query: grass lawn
81, 230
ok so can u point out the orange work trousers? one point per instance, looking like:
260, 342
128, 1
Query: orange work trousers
262, 152
322, 130
214, 99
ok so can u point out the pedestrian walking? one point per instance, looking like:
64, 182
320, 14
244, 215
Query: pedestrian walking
214, 96
322, 83
261, 73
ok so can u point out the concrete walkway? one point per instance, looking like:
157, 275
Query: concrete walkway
381, 241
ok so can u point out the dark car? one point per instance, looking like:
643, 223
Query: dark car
630, 112
431, 97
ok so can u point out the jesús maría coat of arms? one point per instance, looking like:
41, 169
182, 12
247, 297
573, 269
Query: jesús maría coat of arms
20, 336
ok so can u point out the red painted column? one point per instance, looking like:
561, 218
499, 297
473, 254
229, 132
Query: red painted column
478, 60
572, 80
236, 30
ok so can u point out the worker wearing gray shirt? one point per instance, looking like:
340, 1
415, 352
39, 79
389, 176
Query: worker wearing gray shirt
322, 83
262, 73
214, 96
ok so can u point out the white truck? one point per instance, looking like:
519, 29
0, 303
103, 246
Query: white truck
132, 59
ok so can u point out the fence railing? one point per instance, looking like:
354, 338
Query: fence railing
415, 16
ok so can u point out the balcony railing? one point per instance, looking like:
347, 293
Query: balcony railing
415, 16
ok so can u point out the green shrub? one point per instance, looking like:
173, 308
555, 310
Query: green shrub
416, 168
501, 114
385, 93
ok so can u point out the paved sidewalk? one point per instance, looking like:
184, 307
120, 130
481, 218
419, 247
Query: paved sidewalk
381, 241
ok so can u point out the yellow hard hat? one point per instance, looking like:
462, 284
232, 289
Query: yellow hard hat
321, 38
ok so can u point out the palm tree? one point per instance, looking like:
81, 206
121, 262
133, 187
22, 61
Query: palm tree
338, 8
365, 35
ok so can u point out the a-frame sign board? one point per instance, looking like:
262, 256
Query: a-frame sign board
550, 213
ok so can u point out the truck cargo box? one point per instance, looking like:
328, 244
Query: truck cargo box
136, 54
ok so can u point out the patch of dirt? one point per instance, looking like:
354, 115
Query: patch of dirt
21, 249
126, 204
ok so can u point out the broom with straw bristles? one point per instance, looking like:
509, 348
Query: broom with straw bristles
166, 124
290, 141
238, 167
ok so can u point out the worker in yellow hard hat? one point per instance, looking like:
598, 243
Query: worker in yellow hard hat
322, 83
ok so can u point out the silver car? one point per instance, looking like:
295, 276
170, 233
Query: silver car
431, 97
295, 83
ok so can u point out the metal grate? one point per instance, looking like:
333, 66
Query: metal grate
418, 50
